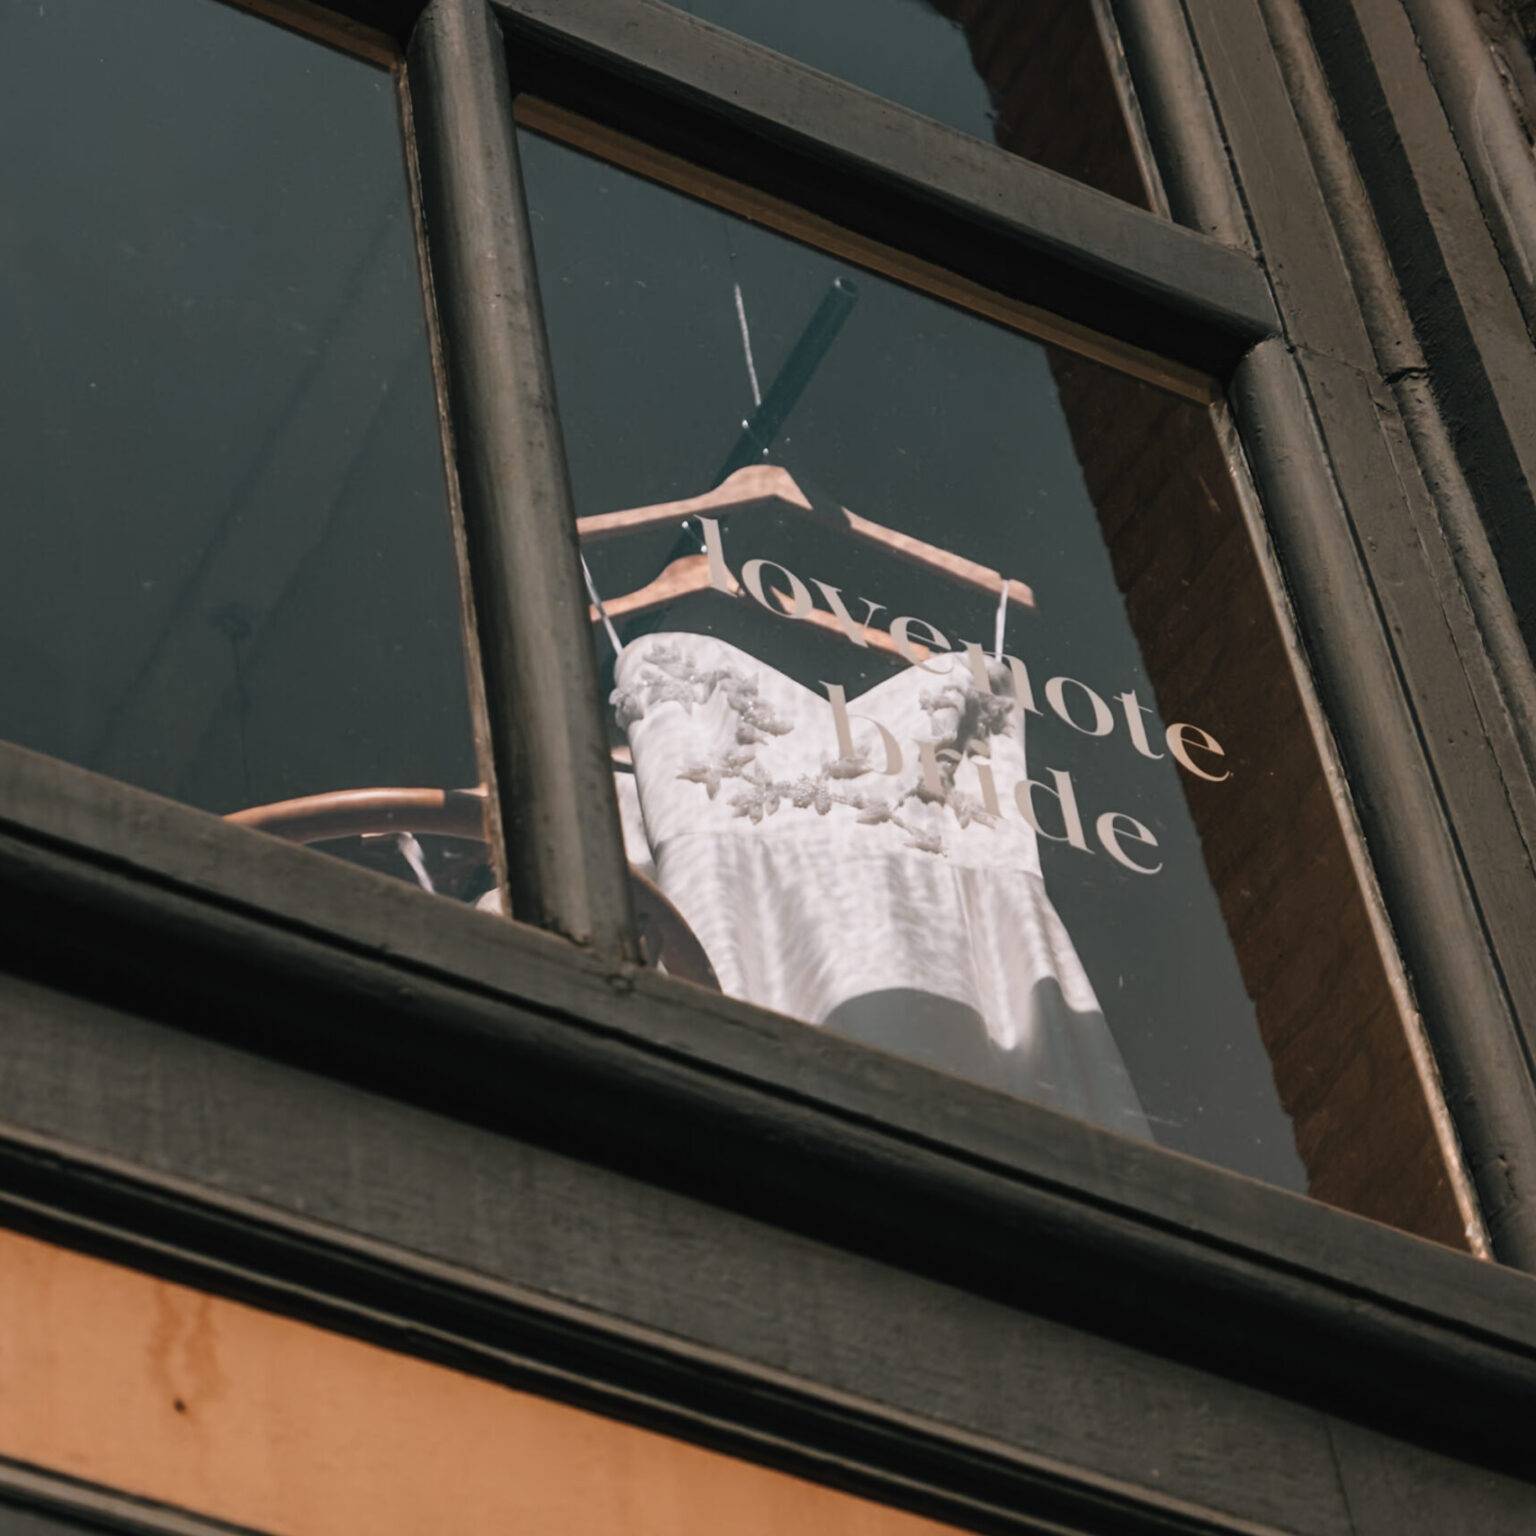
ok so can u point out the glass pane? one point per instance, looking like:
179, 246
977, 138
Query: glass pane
950, 707
226, 566
1035, 78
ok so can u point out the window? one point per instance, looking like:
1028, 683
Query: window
874, 620
227, 562
951, 710
993, 517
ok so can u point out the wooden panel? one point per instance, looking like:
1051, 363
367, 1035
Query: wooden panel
550, 1273
1389, 1493
129, 1381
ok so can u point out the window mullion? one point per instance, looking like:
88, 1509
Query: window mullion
562, 845
1181, 120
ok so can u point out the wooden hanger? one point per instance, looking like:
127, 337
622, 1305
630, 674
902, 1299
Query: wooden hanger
767, 487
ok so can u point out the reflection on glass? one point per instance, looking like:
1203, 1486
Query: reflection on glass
950, 709
1035, 78
226, 571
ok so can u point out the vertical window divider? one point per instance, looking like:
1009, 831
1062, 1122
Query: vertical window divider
553, 812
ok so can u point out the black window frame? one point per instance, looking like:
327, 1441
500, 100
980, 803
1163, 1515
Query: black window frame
687, 88
221, 934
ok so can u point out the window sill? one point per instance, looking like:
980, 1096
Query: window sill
235, 936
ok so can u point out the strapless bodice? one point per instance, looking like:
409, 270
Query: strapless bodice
725, 743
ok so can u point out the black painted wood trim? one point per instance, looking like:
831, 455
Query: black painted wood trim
554, 800
692, 89
223, 932
1420, 860
1398, 664
1181, 122
1463, 52
1461, 296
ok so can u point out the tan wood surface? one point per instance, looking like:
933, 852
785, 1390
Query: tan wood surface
165, 1392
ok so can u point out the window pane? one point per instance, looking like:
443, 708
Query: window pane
226, 567
950, 706
1035, 78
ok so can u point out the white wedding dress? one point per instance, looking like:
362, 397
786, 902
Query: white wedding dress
813, 879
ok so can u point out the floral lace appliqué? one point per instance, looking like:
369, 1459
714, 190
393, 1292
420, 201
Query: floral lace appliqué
665, 676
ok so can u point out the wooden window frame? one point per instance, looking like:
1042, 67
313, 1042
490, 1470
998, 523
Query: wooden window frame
689, 90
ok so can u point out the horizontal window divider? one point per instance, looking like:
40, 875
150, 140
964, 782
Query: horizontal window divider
825, 235
220, 932
732, 107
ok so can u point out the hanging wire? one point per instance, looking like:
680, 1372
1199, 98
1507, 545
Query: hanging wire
744, 329
602, 612
411, 852
746, 334
746, 343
